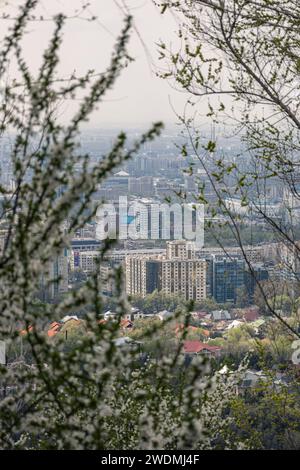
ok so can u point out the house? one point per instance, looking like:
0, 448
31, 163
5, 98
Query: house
126, 324
109, 315
134, 314
197, 347
256, 325
145, 315
234, 324
250, 314
164, 315
220, 325
69, 317
218, 315
200, 315
54, 329
252, 378
123, 343
29, 329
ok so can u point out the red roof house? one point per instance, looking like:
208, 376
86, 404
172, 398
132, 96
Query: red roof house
126, 324
197, 347
54, 329
29, 329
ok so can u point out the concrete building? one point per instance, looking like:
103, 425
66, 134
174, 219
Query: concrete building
54, 281
85, 261
178, 272
79, 245
143, 274
180, 250
184, 277
142, 186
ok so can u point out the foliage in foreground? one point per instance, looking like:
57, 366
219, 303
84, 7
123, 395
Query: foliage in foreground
95, 395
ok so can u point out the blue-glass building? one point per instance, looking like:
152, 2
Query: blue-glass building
226, 276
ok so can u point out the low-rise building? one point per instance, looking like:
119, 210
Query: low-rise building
192, 348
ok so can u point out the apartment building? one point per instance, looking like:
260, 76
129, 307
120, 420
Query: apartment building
177, 272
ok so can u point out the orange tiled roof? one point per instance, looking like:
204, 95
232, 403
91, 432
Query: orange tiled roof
198, 346
54, 329
126, 324
26, 331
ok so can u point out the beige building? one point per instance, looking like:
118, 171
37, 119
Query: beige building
142, 274
184, 277
178, 272
180, 250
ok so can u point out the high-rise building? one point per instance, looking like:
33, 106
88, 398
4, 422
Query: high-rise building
180, 250
179, 272
143, 274
184, 277
227, 275
54, 281
258, 273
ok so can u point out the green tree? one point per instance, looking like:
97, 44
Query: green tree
242, 297
158, 301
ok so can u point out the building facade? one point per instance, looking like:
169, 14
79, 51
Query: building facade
178, 272
226, 276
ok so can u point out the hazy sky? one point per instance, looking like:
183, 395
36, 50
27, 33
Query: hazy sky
139, 97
